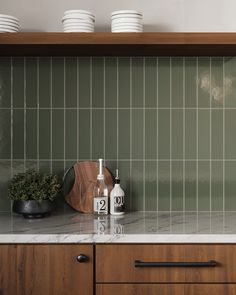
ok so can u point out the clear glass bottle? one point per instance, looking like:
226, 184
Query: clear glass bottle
100, 193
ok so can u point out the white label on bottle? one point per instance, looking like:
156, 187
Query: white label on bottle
100, 205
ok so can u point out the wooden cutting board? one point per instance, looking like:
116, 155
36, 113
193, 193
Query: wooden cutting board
80, 197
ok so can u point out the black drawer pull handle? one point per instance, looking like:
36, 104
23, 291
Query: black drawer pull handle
139, 263
82, 258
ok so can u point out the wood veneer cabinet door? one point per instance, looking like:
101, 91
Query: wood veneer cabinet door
54, 270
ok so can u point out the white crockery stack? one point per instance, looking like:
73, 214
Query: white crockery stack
78, 21
9, 24
126, 21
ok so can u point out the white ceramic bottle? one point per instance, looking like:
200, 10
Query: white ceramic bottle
117, 198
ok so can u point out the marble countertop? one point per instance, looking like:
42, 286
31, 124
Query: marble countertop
136, 227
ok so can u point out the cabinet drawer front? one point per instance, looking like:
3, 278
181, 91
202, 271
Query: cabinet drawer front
166, 263
191, 289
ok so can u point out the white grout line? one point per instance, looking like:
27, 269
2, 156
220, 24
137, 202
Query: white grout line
144, 134
184, 203
157, 125
170, 134
197, 168
117, 112
91, 108
24, 114
38, 113
224, 160
131, 129
12, 117
51, 115
77, 111
64, 111
104, 110
210, 111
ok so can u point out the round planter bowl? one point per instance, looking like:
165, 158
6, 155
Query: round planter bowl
32, 208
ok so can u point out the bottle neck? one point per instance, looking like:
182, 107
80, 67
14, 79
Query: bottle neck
117, 185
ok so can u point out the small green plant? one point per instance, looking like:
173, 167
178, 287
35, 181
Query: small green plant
32, 185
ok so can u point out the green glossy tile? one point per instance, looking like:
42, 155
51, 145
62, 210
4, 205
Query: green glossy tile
190, 134
57, 134
84, 134
204, 85
151, 134
124, 134
137, 186
230, 139
150, 186
5, 134
111, 82
177, 134
31, 72
5, 82
98, 134
177, 186
163, 134
98, 82
31, 134
124, 171
44, 166
203, 134
5, 203
85, 81
124, 82
18, 82
18, 134
190, 185
230, 186
164, 82
137, 82
216, 82
71, 134
71, 82
31, 164
58, 82
137, 134
204, 186
111, 134
190, 82
164, 185
217, 134
58, 169
177, 82
229, 74
151, 82
45, 82
217, 185
44, 134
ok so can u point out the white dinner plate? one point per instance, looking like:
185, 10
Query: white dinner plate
9, 24
80, 11
7, 31
78, 31
127, 31
129, 20
78, 16
126, 26
77, 21
78, 28
10, 17
8, 28
126, 12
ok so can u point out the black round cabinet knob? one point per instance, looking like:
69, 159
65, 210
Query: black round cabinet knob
82, 258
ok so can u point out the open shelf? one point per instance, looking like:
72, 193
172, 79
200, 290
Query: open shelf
118, 44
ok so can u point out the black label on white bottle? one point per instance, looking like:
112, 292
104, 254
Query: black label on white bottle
119, 205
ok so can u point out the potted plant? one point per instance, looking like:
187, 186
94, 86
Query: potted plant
33, 193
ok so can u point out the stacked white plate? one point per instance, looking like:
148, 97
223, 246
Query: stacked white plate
126, 21
78, 21
9, 24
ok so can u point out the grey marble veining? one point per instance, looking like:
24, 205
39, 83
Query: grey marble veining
136, 227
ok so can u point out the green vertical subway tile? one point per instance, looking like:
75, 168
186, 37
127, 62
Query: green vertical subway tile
217, 134
137, 186
124, 172
5, 82
58, 169
31, 165
5, 134
177, 186
84, 82
204, 186
164, 186
190, 185
230, 139
229, 84
71, 82
164, 82
151, 134
177, 134
190, 134
98, 82
124, 82
150, 186
124, 134
190, 82
230, 186
177, 82
204, 85
163, 134
18, 82
71, 134
17, 167
203, 134
44, 166
31, 72
58, 80
45, 82
98, 134
18, 134
45, 134
111, 82
111, 144
31, 134
137, 82
137, 134
57, 134
151, 82
5, 175
217, 82
217, 185
84, 134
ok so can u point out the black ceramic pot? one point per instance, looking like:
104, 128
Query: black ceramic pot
32, 208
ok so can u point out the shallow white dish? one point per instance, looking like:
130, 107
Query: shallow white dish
126, 25
80, 11
7, 31
127, 21
78, 16
8, 28
78, 21
78, 31
10, 17
78, 28
2, 23
127, 31
126, 12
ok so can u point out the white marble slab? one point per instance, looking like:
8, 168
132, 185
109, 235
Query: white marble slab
136, 227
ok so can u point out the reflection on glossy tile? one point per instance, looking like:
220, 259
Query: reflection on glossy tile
217, 89
190, 82
229, 82
204, 82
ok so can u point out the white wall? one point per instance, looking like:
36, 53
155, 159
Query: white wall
159, 15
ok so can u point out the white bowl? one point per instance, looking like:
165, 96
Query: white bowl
119, 12
10, 17
80, 11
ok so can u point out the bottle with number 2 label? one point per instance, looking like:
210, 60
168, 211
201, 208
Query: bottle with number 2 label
100, 193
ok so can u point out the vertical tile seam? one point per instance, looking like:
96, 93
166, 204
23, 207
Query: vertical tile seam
210, 127
24, 114
197, 164
104, 109
223, 137
117, 111
91, 106
77, 111
38, 113
144, 134
64, 113
170, 134
11, 62
184, 201
51, 115
157, 138
131, 127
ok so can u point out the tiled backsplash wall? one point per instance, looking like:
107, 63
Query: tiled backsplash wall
169, 124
